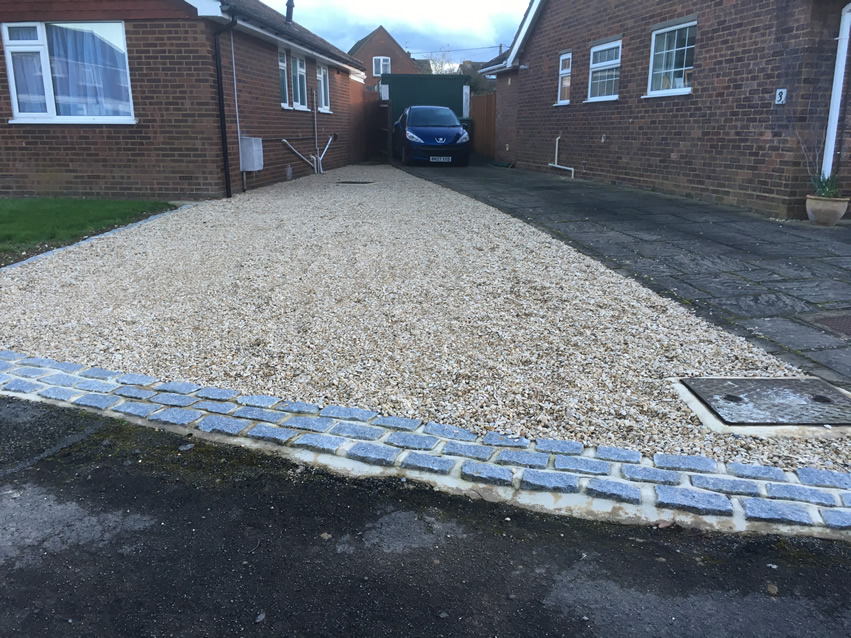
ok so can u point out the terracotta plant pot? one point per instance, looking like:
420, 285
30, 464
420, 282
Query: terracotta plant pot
826, 211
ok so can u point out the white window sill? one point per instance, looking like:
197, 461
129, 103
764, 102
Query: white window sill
73, 120
608, 98
562, 103
286, 107
299, 107
329, 111
667, 93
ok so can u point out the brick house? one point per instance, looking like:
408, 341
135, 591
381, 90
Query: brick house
722, 100
380, 52
168, 98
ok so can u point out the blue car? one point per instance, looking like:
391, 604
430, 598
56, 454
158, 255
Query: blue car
431, 134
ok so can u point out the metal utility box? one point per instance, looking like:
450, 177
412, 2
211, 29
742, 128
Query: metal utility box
250, 154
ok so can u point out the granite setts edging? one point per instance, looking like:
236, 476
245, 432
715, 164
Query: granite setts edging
559, 476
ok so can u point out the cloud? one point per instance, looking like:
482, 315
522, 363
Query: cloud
432, 26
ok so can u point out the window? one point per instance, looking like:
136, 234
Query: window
73, 72
323, 89
299, 83
564, 68
604, 77
380, 65
672, 60
282, 72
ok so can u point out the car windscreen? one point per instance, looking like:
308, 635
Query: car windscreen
432, 117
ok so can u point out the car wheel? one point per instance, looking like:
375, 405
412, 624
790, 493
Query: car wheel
406, 161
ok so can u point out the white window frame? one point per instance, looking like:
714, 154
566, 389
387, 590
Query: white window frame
284, 88
40, 46
665, 92
299, 71
604, 66
381, 59
561, 74
323, 89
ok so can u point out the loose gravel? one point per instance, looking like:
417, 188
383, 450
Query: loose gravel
397, 296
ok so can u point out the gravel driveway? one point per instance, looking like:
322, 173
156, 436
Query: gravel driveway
398, 296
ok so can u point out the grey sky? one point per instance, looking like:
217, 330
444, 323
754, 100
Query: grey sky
437, 25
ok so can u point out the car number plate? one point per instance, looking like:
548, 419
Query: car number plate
440, 158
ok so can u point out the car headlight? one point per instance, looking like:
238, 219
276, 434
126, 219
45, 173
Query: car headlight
465, 137
412, 137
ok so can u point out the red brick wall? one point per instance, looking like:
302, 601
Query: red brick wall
173, 151
382, 44
261, 114
505, 147
726, 141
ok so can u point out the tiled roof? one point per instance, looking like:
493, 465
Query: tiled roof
265, 16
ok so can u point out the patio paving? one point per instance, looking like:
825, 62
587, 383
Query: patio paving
784, 285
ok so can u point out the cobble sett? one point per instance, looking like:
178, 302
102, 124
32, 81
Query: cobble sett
539, 480
60, 394
320, 442
470, 450
486, 473
413, 441
358, 431
613, 490
100, 401
374, 453
581, 464
763, 472
223, 424
428, 463
310, 423
799, 493
176, 416
272, 433
760, 509
133, 408
650, 474
348, 414
258, 400
216, 394
99, 373
837, 519
449, 432
725, 485
681, 498
523, 458
259, 414
134, 393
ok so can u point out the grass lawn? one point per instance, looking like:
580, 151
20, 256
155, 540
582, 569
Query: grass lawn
30, 226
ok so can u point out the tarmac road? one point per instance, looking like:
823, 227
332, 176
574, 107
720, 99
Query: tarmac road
110, 529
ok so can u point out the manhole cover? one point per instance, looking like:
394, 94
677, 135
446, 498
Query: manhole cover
773, 401
842, 323
353, 182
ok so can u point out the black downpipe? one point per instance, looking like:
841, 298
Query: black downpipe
222, 117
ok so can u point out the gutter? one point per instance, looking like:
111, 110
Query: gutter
222, 115
836, 92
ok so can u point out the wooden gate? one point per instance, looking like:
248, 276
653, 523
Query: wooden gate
483, 114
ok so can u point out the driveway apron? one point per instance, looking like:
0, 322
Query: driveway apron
784, 285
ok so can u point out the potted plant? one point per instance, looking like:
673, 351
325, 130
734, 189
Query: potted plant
826, 206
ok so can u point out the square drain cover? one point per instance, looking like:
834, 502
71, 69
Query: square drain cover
773, 401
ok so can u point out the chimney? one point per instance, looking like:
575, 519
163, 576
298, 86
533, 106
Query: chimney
290, 5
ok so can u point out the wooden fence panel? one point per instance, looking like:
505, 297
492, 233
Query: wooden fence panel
483, 114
